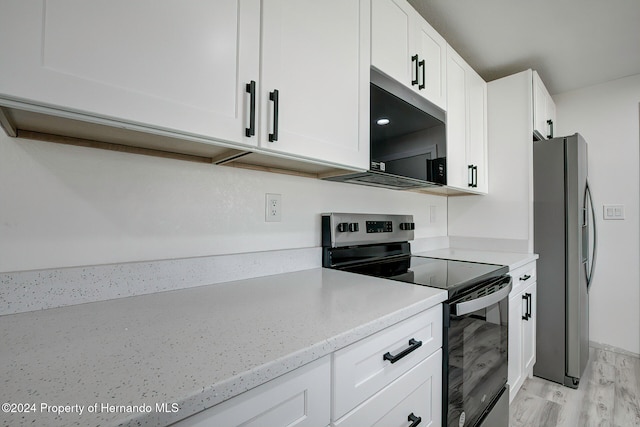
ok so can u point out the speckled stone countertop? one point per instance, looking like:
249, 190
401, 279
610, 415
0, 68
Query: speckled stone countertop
193, 347
511, 259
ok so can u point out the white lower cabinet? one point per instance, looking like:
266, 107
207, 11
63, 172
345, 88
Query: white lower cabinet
300, 398
394, 371
414, 398
362, 369
390, 378
522, 327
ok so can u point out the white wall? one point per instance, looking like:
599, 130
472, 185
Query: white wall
608, 117
71, 206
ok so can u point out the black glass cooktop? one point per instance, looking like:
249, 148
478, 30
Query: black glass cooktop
453, 276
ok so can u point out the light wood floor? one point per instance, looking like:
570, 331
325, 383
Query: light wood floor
608, 396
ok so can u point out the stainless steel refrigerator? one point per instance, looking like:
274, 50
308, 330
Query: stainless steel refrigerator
565, 239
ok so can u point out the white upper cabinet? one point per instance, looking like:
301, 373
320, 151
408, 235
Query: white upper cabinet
432, 60
466, 126
544, 110
458, 174
315, 79
175, 65
405, 47
200, 69
477, 137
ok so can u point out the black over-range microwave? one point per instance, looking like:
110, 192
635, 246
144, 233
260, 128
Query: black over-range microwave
408, 139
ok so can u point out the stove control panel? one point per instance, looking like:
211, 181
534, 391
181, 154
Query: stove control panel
345, 229
379, 226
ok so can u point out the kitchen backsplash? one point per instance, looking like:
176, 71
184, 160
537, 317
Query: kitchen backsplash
41, 289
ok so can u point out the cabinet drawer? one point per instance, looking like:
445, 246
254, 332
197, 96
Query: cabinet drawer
523, 276
418, 393
364, 368
300, 398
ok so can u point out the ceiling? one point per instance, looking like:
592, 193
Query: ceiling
571, 43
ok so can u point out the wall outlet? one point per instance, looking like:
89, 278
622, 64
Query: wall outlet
273, 207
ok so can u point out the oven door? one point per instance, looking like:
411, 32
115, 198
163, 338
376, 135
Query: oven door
476, 348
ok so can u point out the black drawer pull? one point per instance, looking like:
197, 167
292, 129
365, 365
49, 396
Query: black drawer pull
413, 345
424, 83
525, 297
525, 277
414, 420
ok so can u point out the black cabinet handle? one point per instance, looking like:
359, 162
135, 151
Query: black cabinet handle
251, 90
527, 297
414, 420
525, 278
473, 176
526, 314
274, 96
550, 123
413, 346
414, 59
424, 83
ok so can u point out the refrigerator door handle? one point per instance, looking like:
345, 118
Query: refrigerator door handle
588, 270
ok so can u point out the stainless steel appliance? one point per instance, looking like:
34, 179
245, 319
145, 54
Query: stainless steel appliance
407, 139
565, 239
475, 336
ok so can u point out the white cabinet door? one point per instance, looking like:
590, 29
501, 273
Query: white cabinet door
364, 368
405, 47
316, 56
544, 109
551, 116
515, 372
300, 398
392, 43
432, 60
466, 126
458, 172
522, 327
414, 398
529, 332
177, 65
477, 136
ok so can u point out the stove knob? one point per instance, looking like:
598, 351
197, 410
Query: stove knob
353, 227
343, 226
407, 226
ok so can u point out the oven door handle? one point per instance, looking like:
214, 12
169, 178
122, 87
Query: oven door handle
467, 307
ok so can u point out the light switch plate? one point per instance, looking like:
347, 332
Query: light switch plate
613, 211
